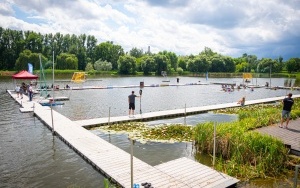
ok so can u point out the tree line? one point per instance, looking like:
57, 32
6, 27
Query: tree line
84, 53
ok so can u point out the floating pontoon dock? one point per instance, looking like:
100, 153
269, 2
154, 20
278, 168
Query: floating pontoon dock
115, 163
171, 113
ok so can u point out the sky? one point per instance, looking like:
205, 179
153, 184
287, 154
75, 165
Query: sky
265, 28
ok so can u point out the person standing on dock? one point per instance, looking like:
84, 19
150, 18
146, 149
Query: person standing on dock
131, 101
242, 101
30, 92
23, 90
17, 89
286, 110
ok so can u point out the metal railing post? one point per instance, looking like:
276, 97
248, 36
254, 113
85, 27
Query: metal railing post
52, 117
185, 114
131, 161
108, 116
214, 152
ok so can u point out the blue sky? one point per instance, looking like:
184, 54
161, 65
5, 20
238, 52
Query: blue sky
266, 28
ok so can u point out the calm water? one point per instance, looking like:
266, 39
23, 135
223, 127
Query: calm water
86, 104
32, 157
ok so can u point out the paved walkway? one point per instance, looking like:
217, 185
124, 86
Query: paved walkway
290, 136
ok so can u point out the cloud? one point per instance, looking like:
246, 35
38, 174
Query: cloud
217, 14
168, 3
229, 27
5, 9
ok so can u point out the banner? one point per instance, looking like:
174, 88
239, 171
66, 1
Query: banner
30, 68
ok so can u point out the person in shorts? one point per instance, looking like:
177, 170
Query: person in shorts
286, 110
17, 89
131, 101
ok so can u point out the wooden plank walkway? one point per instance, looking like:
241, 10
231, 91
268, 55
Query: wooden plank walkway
195, 175
290, 136
115, 163
170, 113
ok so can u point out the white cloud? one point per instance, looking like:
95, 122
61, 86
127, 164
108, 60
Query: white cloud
263, 28
5, 9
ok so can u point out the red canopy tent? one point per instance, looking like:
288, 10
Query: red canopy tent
24, 75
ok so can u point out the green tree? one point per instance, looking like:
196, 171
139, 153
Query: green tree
266, 65
33, 42
26, 57
109, 52
127, 65
208, 52
173, 59
182, 62
11, 45
198, 64
90, 47
135, 52
241, 67
148, 65
162, 63
89, 67
67, 61
47, 45
81, 56
217, 64
293, 65
229, 64
102, 65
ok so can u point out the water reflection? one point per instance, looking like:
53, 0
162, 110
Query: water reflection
195, 119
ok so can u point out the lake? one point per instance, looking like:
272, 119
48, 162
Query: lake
32, 157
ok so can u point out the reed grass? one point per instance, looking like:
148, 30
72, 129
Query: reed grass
242, 152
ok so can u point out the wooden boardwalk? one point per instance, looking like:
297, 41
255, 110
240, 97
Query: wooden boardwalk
290, 136
171, 113
115, 163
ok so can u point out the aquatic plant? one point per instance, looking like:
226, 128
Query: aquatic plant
143, 132
175, 132
242, 152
